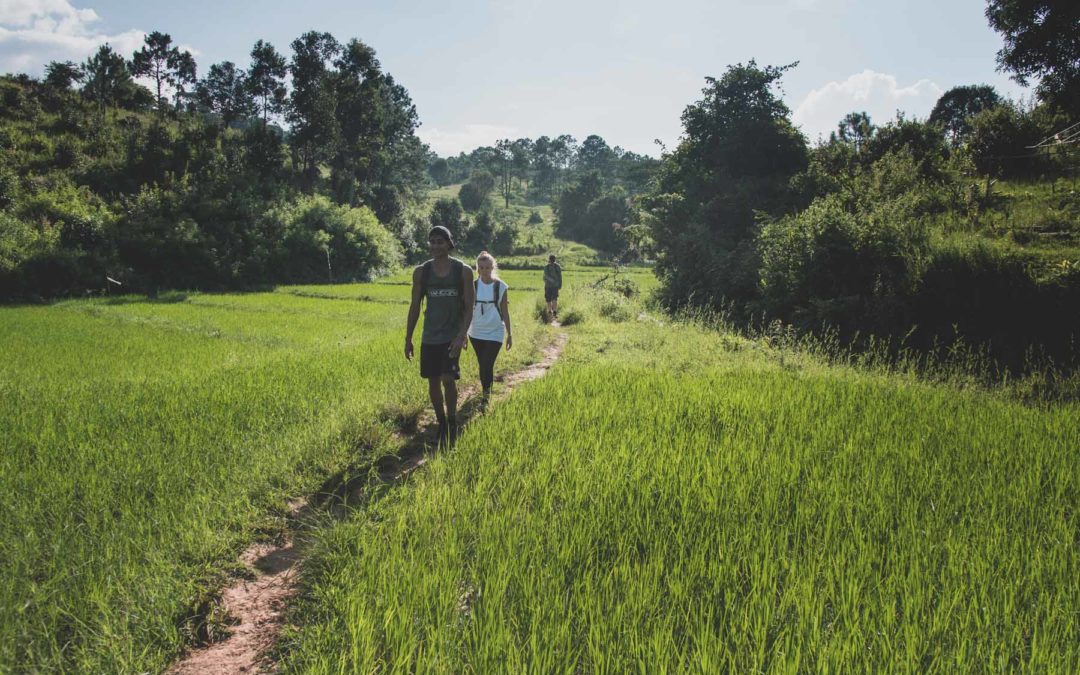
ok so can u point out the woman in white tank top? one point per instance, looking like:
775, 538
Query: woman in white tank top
490, 320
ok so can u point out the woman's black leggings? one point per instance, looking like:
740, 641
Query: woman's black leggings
486, 353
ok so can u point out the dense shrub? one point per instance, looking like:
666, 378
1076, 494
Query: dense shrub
828, 265
315, 231
999, 142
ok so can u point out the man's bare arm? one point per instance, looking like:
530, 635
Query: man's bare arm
414, 311
470, 299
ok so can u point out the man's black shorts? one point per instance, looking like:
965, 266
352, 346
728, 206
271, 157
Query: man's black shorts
435, 361
550, 293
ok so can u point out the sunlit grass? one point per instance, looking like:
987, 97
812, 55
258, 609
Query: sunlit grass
672, 499
146, 442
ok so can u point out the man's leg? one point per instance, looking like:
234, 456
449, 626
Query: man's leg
450, 387
435, 392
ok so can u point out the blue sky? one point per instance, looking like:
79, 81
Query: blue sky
479, 71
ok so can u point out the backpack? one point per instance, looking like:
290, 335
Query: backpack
498, 295
456, 269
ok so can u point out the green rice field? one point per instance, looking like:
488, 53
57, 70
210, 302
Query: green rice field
146, 442
669, 498
673, 500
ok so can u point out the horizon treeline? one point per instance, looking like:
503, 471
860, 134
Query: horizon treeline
590, 185
194, 184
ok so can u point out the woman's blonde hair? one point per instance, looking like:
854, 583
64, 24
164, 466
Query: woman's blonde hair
484, 255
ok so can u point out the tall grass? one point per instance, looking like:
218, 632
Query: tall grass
146, 442
671, 499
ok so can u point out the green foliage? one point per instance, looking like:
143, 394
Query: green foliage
482, 233
954, 109
738, 152
999, 139
474, 193
448, 213
588, 215
1040, 43
166, 65
831, 265
317, 233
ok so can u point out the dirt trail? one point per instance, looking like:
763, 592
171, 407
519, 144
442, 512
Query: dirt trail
257, 605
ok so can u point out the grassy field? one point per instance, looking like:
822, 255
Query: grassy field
670, 499
146, 442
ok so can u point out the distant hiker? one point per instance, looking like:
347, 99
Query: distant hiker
447, 286
552, 284
490, 320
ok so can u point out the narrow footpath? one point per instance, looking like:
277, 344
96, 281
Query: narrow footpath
256, 605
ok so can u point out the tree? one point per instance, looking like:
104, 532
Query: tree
107, 77
62, 75
439, 170
165, 64
266, 79
474, 193
855, 129
506, 168
954, 110
225, 91
998, 141
733, 165
595, 155
312, 103
447, 212
1042, 41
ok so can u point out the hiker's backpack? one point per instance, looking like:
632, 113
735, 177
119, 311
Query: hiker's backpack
456, 269
498, 295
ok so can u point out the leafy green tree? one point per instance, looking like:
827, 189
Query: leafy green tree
506, 169
999, 139
595, 155
312, 104
62, 75
165, 64
266, 79
521, 159
922, 139
856, 130
448, 213
1042, 41
573, 206
953, 111
225, 91
107, 77
475, 191
737, 155
439, 170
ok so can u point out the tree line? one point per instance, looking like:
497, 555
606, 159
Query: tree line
880, 230
590, 185
179, 183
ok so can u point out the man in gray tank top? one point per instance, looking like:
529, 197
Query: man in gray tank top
445, 284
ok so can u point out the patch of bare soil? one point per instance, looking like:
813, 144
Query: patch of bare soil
257, 605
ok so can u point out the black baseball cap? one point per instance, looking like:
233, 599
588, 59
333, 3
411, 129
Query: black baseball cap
442, 231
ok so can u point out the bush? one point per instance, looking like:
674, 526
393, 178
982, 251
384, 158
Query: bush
830, 265
999, 139
323, 241
471, 198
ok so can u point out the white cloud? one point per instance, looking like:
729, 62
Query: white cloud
467, 139
34, 32
879, 94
